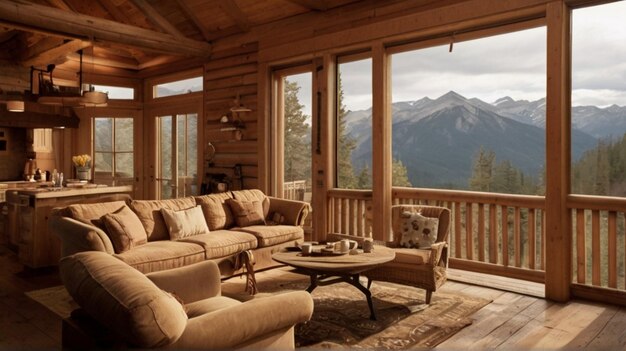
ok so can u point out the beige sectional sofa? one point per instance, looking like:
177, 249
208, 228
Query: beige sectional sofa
152, 246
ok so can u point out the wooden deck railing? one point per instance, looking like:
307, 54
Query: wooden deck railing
347, 212
599, 247
504, 234
490, 233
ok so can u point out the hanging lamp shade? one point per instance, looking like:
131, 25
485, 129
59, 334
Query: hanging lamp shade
94, 99
15, 106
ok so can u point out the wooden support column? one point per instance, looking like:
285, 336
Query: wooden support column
381, 141
558, 116
323, 141
265, 123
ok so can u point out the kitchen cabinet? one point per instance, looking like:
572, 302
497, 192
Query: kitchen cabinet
29, 210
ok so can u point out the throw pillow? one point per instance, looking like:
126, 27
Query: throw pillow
276, 219
247, 213
418, 231
124, 229
185, 223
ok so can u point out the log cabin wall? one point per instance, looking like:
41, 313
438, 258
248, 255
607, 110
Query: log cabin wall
228, 75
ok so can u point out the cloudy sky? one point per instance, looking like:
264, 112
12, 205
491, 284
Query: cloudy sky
513, 64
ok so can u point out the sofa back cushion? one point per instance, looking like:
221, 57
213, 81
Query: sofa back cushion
252, 195
88, 213
124, 229
149, 213
123, 299
216, 211
247, 213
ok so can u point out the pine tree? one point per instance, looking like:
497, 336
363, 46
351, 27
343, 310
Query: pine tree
482, 171
364, 180
399, 174
297, 146
345, 145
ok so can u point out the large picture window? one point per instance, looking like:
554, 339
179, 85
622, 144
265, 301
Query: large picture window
354, 123
599, 100
114, 150
471, 115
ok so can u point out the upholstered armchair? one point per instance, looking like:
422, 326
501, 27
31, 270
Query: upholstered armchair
180, 308
421, 268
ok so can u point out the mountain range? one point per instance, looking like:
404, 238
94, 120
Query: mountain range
438, 139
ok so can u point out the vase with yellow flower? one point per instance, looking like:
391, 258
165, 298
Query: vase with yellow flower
82, 163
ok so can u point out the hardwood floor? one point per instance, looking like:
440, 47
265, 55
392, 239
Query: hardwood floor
24, 323
511, 321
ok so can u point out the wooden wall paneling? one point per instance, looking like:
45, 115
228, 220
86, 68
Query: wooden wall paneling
381, 137
447, 19
264, 95
558, 217
225, 78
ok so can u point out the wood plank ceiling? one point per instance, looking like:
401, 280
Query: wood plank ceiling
131, 35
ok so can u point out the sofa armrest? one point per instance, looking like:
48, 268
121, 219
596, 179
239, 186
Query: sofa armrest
438, 251
294, 211
232, 326
77, 236
191, 283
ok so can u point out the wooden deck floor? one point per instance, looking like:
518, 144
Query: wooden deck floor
511, 321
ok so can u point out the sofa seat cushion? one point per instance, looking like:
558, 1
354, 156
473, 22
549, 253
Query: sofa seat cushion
216, 211
164, 254
123, 299
222, 243
412, 256
269, 235
209, 305
149, 213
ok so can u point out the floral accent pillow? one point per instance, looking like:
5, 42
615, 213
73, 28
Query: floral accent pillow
417, 231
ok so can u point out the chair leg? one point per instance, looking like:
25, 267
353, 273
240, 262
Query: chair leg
429, 294
369, 283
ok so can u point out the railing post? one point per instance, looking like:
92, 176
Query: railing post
558, 102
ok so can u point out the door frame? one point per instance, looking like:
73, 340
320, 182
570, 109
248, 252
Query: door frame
183, 104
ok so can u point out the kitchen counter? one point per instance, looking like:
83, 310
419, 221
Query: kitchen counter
91, 189
29, 209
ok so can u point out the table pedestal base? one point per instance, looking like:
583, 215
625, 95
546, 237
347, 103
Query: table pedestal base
352, 279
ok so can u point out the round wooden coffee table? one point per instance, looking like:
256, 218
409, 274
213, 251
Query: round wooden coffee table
325, 270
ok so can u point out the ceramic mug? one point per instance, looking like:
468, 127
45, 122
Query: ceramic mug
368, 245
306, 249
347, 245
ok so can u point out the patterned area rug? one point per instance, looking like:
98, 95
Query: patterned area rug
341, 316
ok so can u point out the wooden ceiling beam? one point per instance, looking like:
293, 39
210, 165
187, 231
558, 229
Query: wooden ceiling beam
7, 35
317, 5
43, 19
44, 44
233, 11
31, 119
188, 12
52, 55
155, 17
101, 61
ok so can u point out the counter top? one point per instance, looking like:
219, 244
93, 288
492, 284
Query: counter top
50, 192
13, 184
